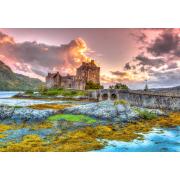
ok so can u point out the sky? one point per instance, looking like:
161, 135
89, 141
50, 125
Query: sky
128, 56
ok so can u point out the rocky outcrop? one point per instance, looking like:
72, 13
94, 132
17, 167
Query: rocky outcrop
6, 112
108, 111
20, 115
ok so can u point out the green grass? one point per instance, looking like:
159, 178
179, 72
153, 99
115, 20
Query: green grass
145, 114
63, 92
72, 118
17, 107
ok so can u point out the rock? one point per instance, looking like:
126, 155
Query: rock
106, 110
121, 108
19, 115
30, 115
6, 112
80, 97
60, 96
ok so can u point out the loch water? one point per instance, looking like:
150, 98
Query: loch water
157, 140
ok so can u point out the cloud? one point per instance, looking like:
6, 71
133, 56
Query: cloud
172, 65
149, 61
119, 73
140, 37
22, 67
5, 39
127, 66
168, 42
38, 56
165, 79
115, 79
158, 57
142, 63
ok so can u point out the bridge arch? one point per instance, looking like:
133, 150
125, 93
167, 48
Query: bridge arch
104, 96
113, 96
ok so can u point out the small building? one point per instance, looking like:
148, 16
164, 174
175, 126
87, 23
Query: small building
88, 71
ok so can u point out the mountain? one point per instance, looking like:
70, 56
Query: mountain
175, 88
12, 81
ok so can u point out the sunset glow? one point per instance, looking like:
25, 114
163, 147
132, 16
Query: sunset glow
125, 55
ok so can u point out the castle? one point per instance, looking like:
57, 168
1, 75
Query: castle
87, 72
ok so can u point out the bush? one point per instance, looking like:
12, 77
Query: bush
119, 86
42, 89
145, 114
29, 92
121, 101
92, 85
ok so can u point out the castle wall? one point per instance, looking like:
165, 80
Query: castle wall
89, 72
67, 82
53, 80
49, 83
79, 85
85, 73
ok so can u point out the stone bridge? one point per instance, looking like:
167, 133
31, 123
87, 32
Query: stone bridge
150, 99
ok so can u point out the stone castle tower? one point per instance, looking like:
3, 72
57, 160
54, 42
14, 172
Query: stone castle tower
88, 71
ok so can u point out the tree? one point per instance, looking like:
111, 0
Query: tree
92, 85
119, 86
42, 88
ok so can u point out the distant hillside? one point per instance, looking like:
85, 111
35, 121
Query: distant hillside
176, 88
12, 81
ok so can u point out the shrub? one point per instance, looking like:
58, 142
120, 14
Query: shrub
119, 86
42, 89
29, 92
121, 101
145, 114
92, 85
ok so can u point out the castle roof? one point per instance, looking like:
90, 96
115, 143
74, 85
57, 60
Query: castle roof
53, 75
88, 65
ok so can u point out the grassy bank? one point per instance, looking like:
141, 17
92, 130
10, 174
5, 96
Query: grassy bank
59, 92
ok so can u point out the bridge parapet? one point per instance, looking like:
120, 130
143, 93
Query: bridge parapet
149, 99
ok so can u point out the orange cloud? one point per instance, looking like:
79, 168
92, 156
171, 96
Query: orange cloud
41, 58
